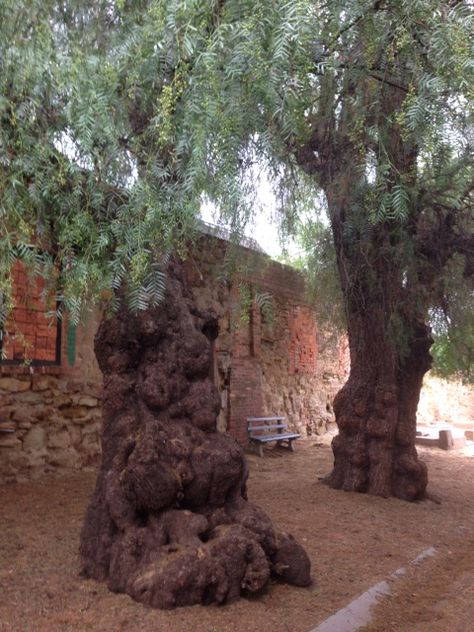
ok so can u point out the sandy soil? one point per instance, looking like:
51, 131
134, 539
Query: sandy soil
353, 541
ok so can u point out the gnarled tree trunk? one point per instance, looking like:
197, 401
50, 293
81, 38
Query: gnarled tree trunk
169, 522
374, 451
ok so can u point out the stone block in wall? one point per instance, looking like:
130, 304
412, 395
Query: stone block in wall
221, 423
90, 445
35, 471
14, 385
44, 382
296, 403
36, 460
314, 404
9, 441
12, 462
224, 342
30, 397
77, 413
273, 401
223, 361
64, 458
71, 386
91, 420
63, 400
35, 439
91, 428
224, 325
22, 416
319, 427
94, 389
88, 401
59, 439
75, 432
43, 413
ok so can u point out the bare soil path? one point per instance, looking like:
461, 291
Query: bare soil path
353, 541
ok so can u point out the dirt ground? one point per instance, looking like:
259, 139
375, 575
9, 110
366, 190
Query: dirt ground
353, 540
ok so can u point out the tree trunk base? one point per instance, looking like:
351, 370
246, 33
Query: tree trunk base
374, 451
169, 523
407, 476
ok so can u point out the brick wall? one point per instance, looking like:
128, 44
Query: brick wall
245, 386
30, 334
302, 345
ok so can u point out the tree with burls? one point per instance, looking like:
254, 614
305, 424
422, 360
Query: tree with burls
100, 187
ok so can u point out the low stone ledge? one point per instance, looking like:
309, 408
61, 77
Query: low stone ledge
430, 442
445, 440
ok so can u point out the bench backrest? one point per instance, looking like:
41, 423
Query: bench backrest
263, 425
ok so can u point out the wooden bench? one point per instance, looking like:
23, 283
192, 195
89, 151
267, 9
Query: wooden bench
261, 430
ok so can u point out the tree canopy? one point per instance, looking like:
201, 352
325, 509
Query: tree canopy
119, 116
97, 178
372, 102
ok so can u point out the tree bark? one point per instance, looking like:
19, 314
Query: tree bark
169, 522
374, 451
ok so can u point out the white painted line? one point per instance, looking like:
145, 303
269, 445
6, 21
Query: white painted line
357, 613
424, 554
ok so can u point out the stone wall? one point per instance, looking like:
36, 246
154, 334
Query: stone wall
50, 415
265, 362
302, 368
276, 363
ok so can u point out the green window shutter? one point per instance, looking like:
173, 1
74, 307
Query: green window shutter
71, 344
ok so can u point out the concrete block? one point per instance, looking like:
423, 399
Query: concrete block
446, 441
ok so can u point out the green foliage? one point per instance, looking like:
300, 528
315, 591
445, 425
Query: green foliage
453, 326
118, 118
317, 260
370, 103
452, 353
95, 166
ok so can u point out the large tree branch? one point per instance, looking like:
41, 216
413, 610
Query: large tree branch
437, 246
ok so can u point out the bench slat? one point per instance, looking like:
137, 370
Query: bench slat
279, 437
266, 418
272, 427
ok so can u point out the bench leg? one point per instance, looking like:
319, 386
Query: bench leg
291, 445
260, 449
